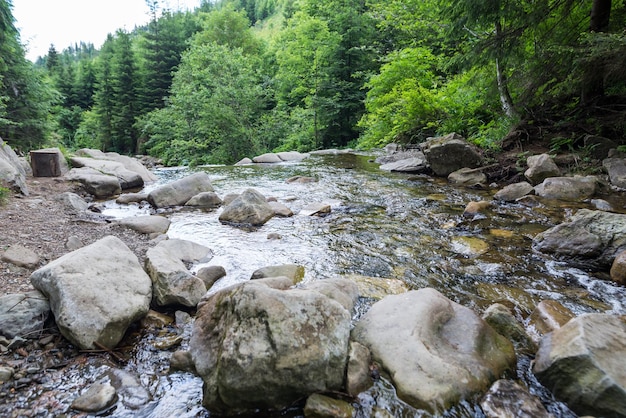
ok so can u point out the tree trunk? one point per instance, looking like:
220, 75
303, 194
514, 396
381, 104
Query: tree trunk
503, 88
600, 15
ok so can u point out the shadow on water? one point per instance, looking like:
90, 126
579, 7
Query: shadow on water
382, 225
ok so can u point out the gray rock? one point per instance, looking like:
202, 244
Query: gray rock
267, 158
321, 406
127, 198
209, 275
250, 208
467, 177
6, 373
100, 396
294, 272
601, 204
572, 189
173, 284
95, 292
292, 156
129, 163
146, 224
129, 388
229, 198
98, 184
20, 256
12, 174
358, 377
316, 208
507, 399
450, 153
72, 202
616, 167
540, 167
181, 360
23, 314
502, 320
583, 364
512, 192
415, 164
435, 351
280, 209
257, 347
179, 192
301, 179
74, 243
205, 200
244, 161
589, 239
128, 179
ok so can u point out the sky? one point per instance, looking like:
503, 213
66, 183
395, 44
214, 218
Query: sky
67, 22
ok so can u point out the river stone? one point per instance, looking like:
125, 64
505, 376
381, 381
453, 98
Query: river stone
540, 167
507, 399
616, 167
129, 388
504, 323
179, 192
244, 161
209, 275
435, 351
205, 200
146, 224
127, 198
292, 156
267, 158
590, 239
571, 189
548, 316
618, 268
294, 272
20, 256
512, 192
301, 179
258, 348
250, 208
415, 164
182, 360
321, 406
280, 209
377, 287
72, 202
474, 208
95, 292
358, 377
601, 204
97, 398
129, 163
23, 314
100, 185
173, 284
467, 177
447, 154
315, 209
12, 174
128, 179
583, 364
6, 373
469, 246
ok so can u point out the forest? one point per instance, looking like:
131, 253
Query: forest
237, 78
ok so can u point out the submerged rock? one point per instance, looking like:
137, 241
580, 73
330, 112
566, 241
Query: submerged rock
435, 351
319, 406
508, 399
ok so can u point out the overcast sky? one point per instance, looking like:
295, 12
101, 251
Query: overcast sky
66, 22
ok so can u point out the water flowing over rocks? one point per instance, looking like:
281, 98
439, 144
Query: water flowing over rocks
173, 284
435, 351
179, 192
590, 239
95, 292
259, 347
249, 208
508, 399
583, 364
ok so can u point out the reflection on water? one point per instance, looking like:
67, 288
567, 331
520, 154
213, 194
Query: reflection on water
382, 225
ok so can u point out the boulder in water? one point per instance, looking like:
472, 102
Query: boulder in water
508, 399
512, 192
249, 208
179, 192
205, 200
571, 189
447, 154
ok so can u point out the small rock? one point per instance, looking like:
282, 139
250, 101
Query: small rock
601, 204
98, 397
512, 192
358, 377
508, 399
292, 271
209, 275
154, 319
467, 177
205, 200
127, 198
280, 209
182, 318
181, 360
274, 235
504, 322
474, 208
21, 256
74, 243
129, 388
165, 343
6, 373
549, 315
618, 268
540, 167
244, 161
315, 209
147, 224
301, 179
320, 406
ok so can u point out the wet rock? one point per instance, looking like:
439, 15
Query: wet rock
6, 373
173, 284
583, 364
507, 399
450, 153
589, 239
377, 287
127, 198
512, 192
436, 351
294, 272
250, 208
295, 344
209, 275
548, 316
504, 323
20, 256
540, 167
358, 378
100, 185
99, 397
414, 164
469, 246
154, 319
601, 204
618, 268
474, 208
269, 157
280, 209
129, 388
179, 192
72, 202
129, 163
167, 342
181, 360
508, 296
23, 314
315, 209
12, 174
244, 161
95, 292
205, 200
573, 189
616, 167
292, 156
301, 179
229, 198
467, 177
320, 406
146, 224
127, 179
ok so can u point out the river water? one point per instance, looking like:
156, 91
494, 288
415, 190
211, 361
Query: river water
383, 225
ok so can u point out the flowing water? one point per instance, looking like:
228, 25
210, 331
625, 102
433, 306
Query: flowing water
382, 225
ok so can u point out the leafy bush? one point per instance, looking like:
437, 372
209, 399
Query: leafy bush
4, 195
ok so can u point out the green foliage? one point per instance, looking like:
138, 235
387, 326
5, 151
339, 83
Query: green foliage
4, 195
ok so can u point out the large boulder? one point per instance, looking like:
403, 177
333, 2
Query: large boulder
249, 208
583, 364
179, 192
12, 173
130, 163
261, 348
590, 239
572, 189
267, 158
128, 179
95, 292
95, 182
172, 281
447, 154
23, 314
435, 351
146, 224
416, 163
540, 167
292, 156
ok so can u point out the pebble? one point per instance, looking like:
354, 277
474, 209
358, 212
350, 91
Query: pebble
6, 373
98, 397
